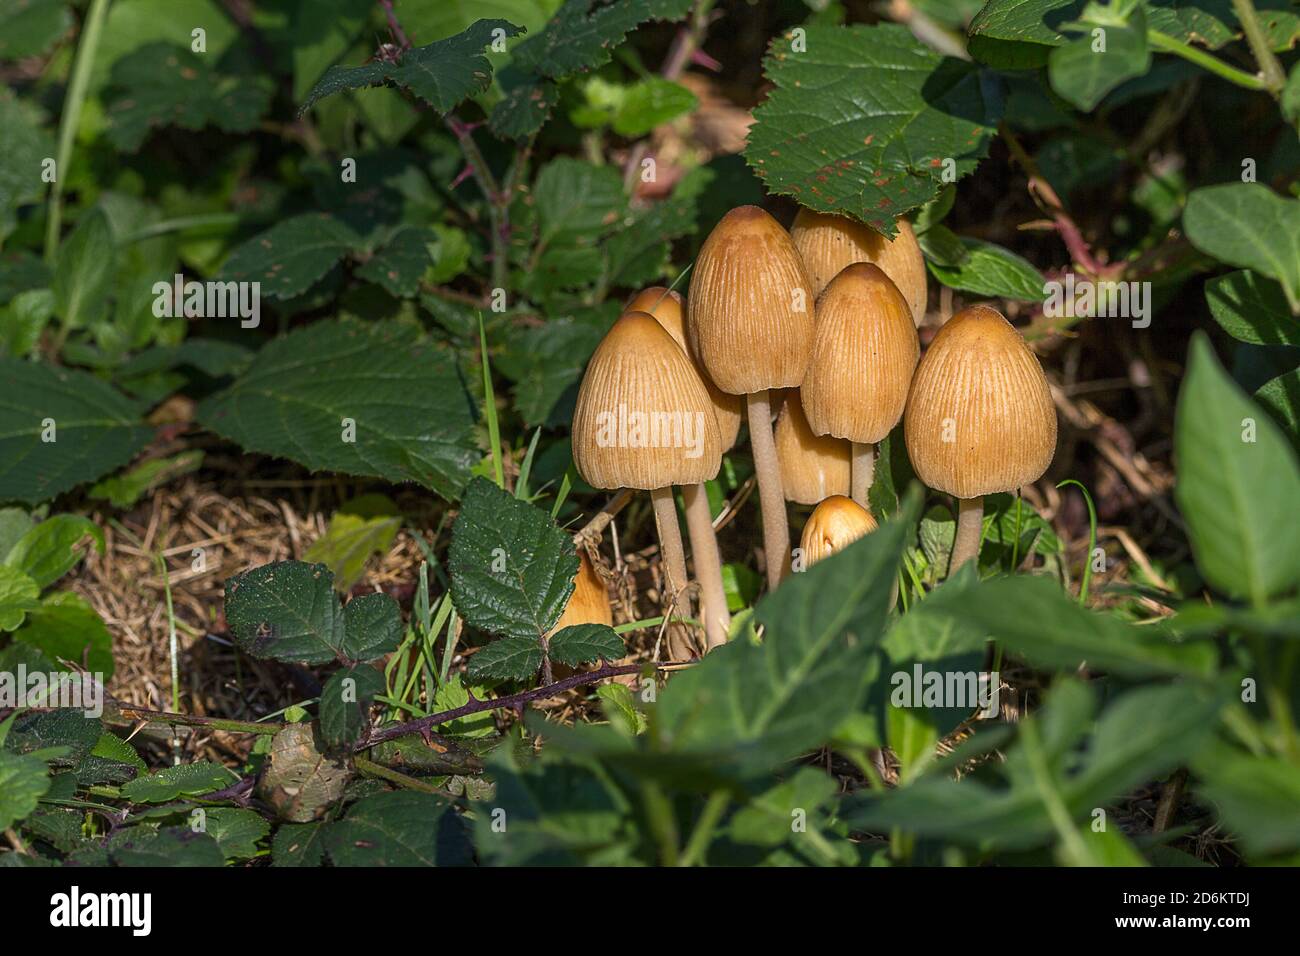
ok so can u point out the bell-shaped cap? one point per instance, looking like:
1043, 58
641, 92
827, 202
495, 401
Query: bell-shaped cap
834, 524
750, 310
828, 243
813, 467
589, 602
643, 419
979, 418
864, 354
666, 306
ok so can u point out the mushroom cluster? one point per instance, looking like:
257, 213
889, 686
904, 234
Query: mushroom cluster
815, 328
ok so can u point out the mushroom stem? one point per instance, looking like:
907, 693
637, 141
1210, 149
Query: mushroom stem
970, 526
776, 528
673, 564
864, 469
708, 566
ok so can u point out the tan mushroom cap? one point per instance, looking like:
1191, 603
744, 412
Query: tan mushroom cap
750, 308
828, 243
813, 467
864, 355
666, 306
979, 418
589, 603
643, 419
834, 525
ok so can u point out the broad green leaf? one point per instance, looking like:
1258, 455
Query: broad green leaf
48, 551
124, 490
584, 643
18, 595
1257, 797
298, 844
289, 611
400, 265
23, 781
584, 33
1238, 482
65, 626
526, 106
64, 737
412, 419
345, 704
168, 847
30, 27
185, 780
748, 706
442, 73
1249, 225
164, 85
546, 362
114, 748
23, 320
1252, 309
84, 273
61, 427
576, 201
508, 658
236, 831
349, 542
14, 523
1032, 616
862, 123
511, 568
138, 23
772, 816
27, 146
1281, 396
399, 829
1085, 69
639, 254
452, 694
986, 269
293, 255
650, 103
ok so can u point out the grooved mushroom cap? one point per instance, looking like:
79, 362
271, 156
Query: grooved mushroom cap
589, 603
750, 311
979, 417
813, 467
835, 524
643, 418
864, 354
666, 306
828, 243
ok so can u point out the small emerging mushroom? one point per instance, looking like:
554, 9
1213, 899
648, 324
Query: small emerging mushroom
644, 420
813, 467
828, 243
834, 524
864, 354
750, 321
979, 418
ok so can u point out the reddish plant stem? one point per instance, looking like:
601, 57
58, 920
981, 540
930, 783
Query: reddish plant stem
398, 33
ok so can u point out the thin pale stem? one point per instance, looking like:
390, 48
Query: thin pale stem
863, 472
771, 496
1269, 68
1167, 44
970, 526
674, 570
708, 566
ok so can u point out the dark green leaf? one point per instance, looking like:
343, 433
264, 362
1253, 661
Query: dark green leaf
30, 27
236, 831
299, 844
293, 255
583, 33
399, 829
66, 627
345, 704
27, 147
1249, 225
1252, 309
1085, 69
185, 780
508, 658
170, 846
412, 416
399, 266
1257, 797
84, 272
23, 781
584, 643
987, 269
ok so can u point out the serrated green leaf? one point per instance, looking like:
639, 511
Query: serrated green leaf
1238, 482
65, 626
64, 736
27, 146
512, 568
399, 266
546, 362
508, 658
24, 779
526, 106
237, 831
30, 27
399, 829
289, 611
164, 85
345, 704
862, 123
167, 847
442, 73
412, 415
95, 430
583, 33
185, 780
299, 844
113, 747
293, 255
1249, 225
984, 268
48, 551
584, 643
